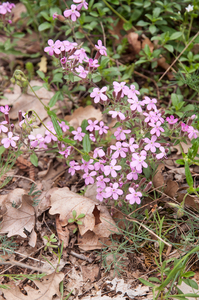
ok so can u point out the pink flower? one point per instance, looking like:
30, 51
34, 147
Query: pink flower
151, 144
133, 174
156, 128
136, 104
117, 113
161, 154
184, 127
92, 125
133, 92
82, 73
98, 94
78, 135
111, 169
73, 167
55, 15
89, 177
92, 137
131, 145
82, 3
49, 136
120, 151
99, 165
5, 109
120, 87
138, 161
150, 103
100, 48
171, 120
120, 133
101, 181
53, 47
93, 63
2, 127
63, 126
80, 54
10, 140
86, 166
66, 152
6, 7
192, 132
102, 128
72, 13
134, 197
98, 152
113, 191
37, 141
100, 194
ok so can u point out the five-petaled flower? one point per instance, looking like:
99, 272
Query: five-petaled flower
98, 94
53, 47
101, 48
10, 140
78, 135
111, 169
113, 191
134, 197
72, 13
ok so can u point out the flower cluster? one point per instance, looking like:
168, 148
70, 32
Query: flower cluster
73, 12
5, 11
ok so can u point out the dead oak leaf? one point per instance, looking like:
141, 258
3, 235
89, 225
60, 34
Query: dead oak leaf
97, 218
48, 287
15, 220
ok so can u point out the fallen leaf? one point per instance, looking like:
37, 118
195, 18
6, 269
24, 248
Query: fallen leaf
133, 40
15, 220
158, 179
62, 232
43, 64
190, 201
90, 272
90, 241
76, 280
83, 113
17, 11
42, 92
171, 188
97, 218
48, 287
99, 296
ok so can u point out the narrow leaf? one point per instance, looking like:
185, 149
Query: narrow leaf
56, 126
34, 159
86, 143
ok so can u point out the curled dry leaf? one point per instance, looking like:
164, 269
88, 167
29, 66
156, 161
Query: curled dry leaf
48, 288
97, 219
158, 179
83, 113
20, 217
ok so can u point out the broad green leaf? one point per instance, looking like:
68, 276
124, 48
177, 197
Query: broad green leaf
175, 35
79, 35
86, 143
86, 157
84, 125
34, 159
147, 283
188, 274
70, 142
189, 177
44, 26
81, 216
74, 213
191, 283
127, 26
41, 74
56, 126
142, 23
54, 99
36, 88
169, 48
152, 29
180, 161
2, 150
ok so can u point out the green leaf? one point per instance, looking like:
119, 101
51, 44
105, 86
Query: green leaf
79, 35
71, 221
86, 143
56, 126
54, 99
147, 283
2, 150
86, 157
79, 222
189, 177
169, 48
68, 141
180, 161
81, 216
142, 23
84, 125
191, 283
152, 29
188, 274
34, 159
127, 26
74, 213
44, 26
41, 74
175, 35
36, 88
154, 279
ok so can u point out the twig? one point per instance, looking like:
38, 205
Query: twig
81, 256
104, 36
19, 264
195, 36
23, 177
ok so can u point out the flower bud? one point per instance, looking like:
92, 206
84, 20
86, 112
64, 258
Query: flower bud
7, 118
61, 18
20, 115
148, 186
142, 181
12, 127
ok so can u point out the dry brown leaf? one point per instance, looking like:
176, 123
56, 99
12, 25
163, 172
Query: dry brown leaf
185, 147
90, 272
158, 179
83, 113
147, 41
190, 201
171, 188
76, 280
16, 219
48, 287
17, 11
43, 64
90, 241
133, 40
96, 220
62, 232
42, 92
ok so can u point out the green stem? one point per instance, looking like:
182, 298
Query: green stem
190, 26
